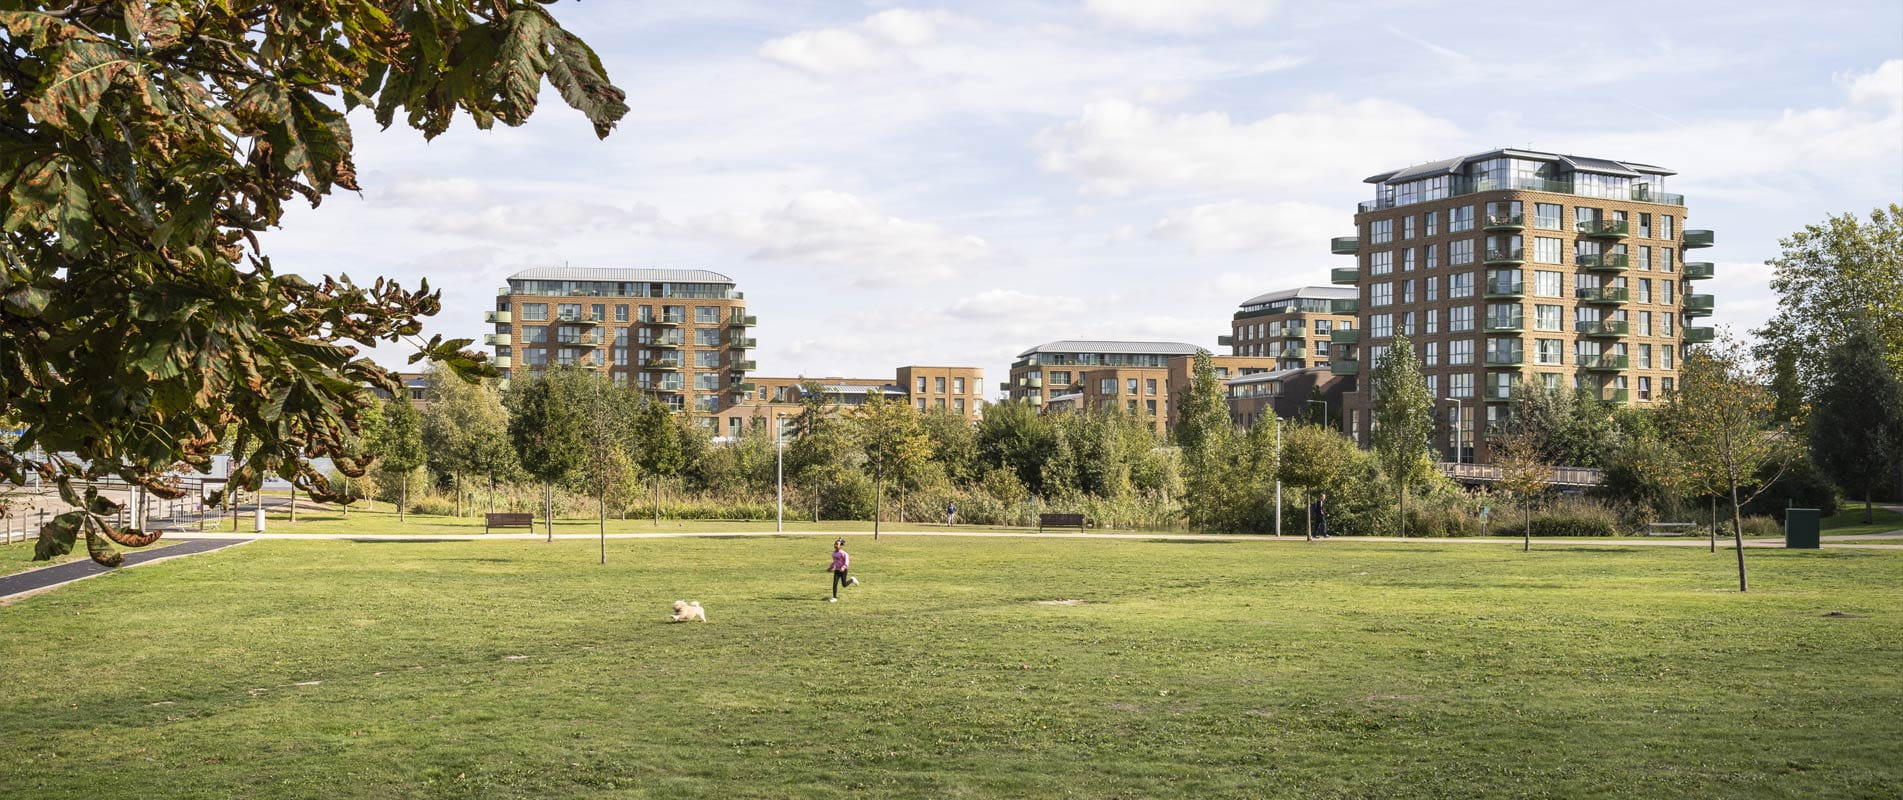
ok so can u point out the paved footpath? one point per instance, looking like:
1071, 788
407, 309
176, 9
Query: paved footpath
21, 584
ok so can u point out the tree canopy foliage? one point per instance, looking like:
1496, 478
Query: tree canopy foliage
143, 145
1856, 426
1829, 277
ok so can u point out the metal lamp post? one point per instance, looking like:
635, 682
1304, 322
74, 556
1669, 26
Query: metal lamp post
779, 474
1278, 473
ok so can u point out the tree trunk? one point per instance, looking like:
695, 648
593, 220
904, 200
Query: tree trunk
817, 487
1713, 519
1308, 511
1404, 510
403, 498
657, 501
1526, 533
878, 498
548, 510
293, 502
456, 482
346, 502
492, 491
601, 520
1737, 534
1868, 516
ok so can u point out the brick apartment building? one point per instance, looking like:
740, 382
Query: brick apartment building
1293, 326
954, 390
1512, 266
1147, 379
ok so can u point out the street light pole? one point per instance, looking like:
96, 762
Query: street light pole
1278, 471
779, 475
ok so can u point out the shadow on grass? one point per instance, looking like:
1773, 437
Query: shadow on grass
417, 540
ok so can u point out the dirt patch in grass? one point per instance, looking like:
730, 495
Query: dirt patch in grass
1061, 602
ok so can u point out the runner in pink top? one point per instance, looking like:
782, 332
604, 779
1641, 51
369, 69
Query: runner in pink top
841, 561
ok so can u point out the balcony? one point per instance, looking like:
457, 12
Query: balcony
1497, 394
589, 339
502, 362
1505, 324
743, 366
663, 343
1508, 358
1604, 363
1609, 395
1344, 245
1505, 222
1290, 351
498, 317
742, 321
743, 387
1031, 383
1344, 367
589, 361
1504, 289
1463, 186
1698, 335
1289, 331
1699, 305
1699, 270
1506, 255
1612, 327
497, 339
1037, 399
1605, 228
665, 322
1225, 340
1602, 294
665, 364
1348, 306
1603, 262
1344, 336
1697, 238
504, 292
1345, 276
743, 343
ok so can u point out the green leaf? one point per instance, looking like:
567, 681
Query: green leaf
576, 72
84, 71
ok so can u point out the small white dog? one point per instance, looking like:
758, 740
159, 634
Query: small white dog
688, 612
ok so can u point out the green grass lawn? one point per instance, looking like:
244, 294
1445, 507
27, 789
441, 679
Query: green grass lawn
487, 669
1849, 520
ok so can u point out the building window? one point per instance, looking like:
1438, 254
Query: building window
1549, 351
707, 315
921, 381
1407, 292
1645, 259
1407, 323
1460, 218
1548, 250
1433, 386
1460, 284
1380, 263
1665, 227
706, 337
1665, 260
1645, 356
1381, 325
1433, 289
1547, 317
1645, 388
1131, 386
1460, 351
1546, 216
1462, 384
1645, 290
1381, 231
938, 385
621, 313
1106, 386
1407, 259
1460, 252
1381, 294
1407, 227
1547, 283
535, 312
1433, 320
1645, 226
1665, 292
1460, 318
1430, 354
1432, 257
534, 334
1433, 223
535, 357
1665, 357
958, 386
1149, 387
1665, 325
707, 359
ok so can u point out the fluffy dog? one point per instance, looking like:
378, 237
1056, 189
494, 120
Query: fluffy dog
688, 612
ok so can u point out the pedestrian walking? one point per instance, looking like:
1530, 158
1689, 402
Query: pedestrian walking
842, 561
1318, 516
951, 512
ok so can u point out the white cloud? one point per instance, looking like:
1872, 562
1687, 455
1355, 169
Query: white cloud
1012, 304
877, 43
839, 229
1115, 146
1881, 86
539, 223
1180, 16
1238, 225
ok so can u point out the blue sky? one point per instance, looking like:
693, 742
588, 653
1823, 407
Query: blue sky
895, 184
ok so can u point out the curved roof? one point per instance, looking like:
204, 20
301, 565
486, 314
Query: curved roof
1314, 292
1449, 166
1129, 348
620, 274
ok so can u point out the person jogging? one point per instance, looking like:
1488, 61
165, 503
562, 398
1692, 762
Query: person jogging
841, 562
1318, 517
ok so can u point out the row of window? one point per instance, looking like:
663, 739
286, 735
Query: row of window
578, 334
598, 312
1546, 216
938, 385
1546, 250
1287, 328
1509, 317
1546, 352
1546, 283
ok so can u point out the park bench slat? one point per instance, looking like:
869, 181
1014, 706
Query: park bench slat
508, 519
1060, 521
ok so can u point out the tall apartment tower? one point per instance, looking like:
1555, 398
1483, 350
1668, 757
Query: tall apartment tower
1513, 266
679, 334
1295, 327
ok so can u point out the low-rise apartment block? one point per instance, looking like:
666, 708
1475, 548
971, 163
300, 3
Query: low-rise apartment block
951, 390
1293, 326
1147, 379
1515, 266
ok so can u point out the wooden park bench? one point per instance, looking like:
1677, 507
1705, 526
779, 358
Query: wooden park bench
508, 519
1669, 528
1060, 521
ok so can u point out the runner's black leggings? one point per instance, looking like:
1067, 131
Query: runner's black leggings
839, 579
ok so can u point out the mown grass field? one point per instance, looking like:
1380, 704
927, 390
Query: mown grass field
338, 669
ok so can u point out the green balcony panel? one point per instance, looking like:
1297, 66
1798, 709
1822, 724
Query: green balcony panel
744, 366
499, 317
1699, 238
1506, 255
1698, 335
1505, 324
1699, 270
1225, 340
1344, 336
1289, 352
742, 321
1349, 306
1607, 328
1506, 222
1699, 302
1610, 262
497, 339
744, 342
1512, 358
1602, 294
1504, 289
1344, 367
1344, 245
1612, 395
1610, 228
1604, 363
1344, 275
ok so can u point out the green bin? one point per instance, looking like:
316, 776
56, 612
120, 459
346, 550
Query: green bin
1801, 526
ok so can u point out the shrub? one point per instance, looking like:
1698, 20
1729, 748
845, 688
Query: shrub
1584, 519
433, 506
1761, 526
